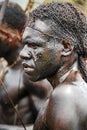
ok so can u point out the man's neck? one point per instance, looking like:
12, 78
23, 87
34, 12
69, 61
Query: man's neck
62, 74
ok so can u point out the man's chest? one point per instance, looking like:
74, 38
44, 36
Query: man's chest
13, 78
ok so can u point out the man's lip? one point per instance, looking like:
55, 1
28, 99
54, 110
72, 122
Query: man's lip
27, 68
25, 65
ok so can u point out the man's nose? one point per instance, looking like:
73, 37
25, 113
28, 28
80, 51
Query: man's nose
25, 53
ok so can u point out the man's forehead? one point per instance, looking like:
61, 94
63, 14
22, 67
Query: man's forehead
36, 27
38, 24
41, 25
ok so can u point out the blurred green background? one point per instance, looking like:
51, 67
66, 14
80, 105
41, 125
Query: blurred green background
23, 3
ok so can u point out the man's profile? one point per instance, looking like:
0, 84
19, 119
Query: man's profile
55, 41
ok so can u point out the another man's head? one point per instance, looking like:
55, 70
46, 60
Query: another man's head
11, 28
55, 34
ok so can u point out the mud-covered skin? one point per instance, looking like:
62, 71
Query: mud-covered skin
66, 107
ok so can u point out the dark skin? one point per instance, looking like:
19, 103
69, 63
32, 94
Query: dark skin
66, 109
15, 82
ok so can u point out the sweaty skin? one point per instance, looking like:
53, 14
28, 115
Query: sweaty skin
52, 59
55, 44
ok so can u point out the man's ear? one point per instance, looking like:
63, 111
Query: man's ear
67, 48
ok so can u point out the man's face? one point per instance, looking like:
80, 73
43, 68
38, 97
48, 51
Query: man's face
41, 53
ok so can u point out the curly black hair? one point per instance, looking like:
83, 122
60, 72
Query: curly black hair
67, 21
14, 16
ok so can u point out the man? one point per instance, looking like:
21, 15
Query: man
25, 100
55, 41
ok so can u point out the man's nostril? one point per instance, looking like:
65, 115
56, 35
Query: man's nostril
25, 65
21, 56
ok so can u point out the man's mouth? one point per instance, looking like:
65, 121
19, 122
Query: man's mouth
27, 68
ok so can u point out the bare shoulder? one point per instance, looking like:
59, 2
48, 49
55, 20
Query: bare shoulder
70, 88
76, 91
64, 99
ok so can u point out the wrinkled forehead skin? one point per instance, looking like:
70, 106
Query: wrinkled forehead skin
39, 25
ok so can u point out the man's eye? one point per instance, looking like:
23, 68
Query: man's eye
32, 46
25, 43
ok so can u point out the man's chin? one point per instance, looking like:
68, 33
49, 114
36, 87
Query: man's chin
32, 78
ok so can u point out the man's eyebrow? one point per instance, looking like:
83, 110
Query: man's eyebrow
33, 42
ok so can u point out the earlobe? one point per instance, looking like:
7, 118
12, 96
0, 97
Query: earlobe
67, 48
